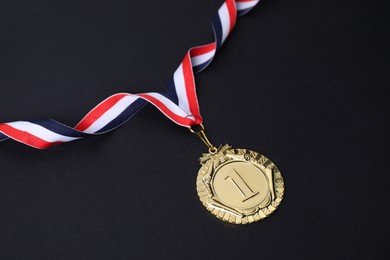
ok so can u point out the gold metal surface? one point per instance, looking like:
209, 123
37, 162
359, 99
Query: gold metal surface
238, 185
202, 135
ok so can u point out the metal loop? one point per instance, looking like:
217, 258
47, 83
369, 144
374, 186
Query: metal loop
194, 131
202, 135
213, 150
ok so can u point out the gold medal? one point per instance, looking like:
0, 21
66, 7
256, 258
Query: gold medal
238, 186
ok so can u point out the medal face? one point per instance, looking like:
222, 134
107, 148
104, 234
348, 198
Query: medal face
238, 185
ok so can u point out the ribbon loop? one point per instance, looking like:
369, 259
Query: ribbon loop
179, 102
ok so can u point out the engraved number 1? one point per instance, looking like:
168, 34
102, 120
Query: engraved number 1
241, 185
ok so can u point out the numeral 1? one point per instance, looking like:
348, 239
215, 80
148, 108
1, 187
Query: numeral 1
241, 185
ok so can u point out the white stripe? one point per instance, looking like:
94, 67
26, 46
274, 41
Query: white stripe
111, 114
197, 60
223, 13
170, 105
180, 87
245, 5
40, 132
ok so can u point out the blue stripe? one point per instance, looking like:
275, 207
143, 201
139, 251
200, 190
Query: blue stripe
171, 92
129, 112
3, 137
200, 67
244, 11
58, 128
217, 27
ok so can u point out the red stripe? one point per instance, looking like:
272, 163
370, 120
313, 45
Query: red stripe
231, 5
98, 111
202, 49
25, 137
190, 87
160, 105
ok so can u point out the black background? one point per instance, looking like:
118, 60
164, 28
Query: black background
303, 82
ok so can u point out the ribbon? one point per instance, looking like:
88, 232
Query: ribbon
179, 102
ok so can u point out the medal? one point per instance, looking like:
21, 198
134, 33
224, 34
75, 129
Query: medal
239, 186
236, 185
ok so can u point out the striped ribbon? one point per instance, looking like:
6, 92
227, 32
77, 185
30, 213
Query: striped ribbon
179, 102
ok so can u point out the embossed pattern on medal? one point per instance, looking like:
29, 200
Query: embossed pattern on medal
239, 186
